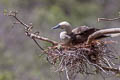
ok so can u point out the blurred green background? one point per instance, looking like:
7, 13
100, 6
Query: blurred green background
19, 55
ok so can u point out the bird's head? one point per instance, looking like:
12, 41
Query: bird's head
62, 25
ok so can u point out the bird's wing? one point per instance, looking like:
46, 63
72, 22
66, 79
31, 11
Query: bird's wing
88, 31
84, 30
80, 29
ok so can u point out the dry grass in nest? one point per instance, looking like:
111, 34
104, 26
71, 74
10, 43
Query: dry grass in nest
80, 58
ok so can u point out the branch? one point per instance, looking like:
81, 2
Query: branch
110, 69
105, 19
104, 69
32, 35
102, 32
28, 29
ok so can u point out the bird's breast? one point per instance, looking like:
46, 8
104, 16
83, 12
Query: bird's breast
64, 37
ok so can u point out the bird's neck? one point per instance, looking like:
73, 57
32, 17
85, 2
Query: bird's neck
68, 29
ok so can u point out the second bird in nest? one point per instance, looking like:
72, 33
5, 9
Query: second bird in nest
77, 35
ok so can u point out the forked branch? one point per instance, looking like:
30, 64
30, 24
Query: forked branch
28, 29
105, 19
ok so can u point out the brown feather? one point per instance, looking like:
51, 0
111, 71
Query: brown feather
81, 34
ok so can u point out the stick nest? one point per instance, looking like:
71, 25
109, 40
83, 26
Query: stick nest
79, 58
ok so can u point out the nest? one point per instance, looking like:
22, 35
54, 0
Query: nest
85, 58
81, 58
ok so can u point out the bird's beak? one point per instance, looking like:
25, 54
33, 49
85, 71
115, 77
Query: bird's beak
56, 27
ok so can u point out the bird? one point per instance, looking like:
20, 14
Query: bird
77, 35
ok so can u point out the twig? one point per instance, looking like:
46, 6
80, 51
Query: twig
116, 70
38, 44
32, 35
60, 64
94, 64
102, 32
66, 71
28, 29
104, 69
105, 19
107, 62
14, 14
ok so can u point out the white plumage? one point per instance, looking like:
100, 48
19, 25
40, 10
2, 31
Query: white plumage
64, 37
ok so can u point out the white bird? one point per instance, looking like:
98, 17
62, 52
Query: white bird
68, 35
78, 34
65, 36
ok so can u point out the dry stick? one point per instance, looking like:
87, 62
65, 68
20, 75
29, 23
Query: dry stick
116, 70
14, 14
66, 71
31, 35
102, 32
107, 62
104, 69
37, 44
105, 19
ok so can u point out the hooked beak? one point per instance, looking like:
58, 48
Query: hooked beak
56, 27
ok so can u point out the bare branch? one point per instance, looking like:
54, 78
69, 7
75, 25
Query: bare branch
38, 44
14, 15
32, 35
116, 70
105, 19
28, 28
101, 32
